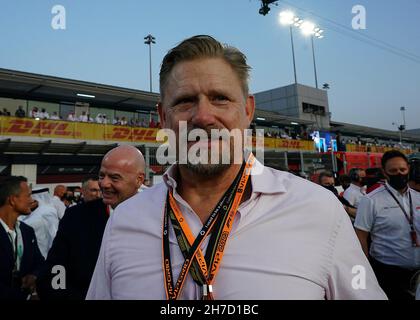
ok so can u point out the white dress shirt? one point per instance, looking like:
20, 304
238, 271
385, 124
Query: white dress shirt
291, 240
353, 194
379, 214
59, 206
44, 221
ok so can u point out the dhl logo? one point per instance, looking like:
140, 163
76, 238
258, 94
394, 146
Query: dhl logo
139, 134
38, 128
290, 144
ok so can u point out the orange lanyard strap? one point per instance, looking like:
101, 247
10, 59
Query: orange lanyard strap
223, 214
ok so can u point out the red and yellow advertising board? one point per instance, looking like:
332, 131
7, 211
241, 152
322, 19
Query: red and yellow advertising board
11, 126
373, 149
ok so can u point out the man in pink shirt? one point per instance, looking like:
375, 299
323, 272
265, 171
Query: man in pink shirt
226, 230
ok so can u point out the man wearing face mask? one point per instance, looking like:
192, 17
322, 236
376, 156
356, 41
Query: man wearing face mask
357, 188
326, 179
391, 215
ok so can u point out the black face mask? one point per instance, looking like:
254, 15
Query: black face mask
398, 181
363, 181
332, 189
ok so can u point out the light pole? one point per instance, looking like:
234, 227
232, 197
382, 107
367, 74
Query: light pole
309, 29
288, 18
149, 40
400, 128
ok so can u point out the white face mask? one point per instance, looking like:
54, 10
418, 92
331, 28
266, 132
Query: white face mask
77, 194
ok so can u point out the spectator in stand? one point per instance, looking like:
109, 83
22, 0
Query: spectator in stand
90, 119
44, 114
6, 112
35, 113
99, 118
152, 123
83, 117
105, 119
123, 121
55, 116
374, 179
116, 121
20, 113
71, 117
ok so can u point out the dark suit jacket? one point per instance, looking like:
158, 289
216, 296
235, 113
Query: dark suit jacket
76, 248
31, 263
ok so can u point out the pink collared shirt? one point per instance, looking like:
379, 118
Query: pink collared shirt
291, 240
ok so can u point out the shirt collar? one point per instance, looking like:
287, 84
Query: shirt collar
356, 187
263, 179
396, 191
6, 227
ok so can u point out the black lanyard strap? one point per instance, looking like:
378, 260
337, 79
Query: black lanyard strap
409, 217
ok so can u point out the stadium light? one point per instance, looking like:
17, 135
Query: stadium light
289, 18
309, 29
286, 18
149, 40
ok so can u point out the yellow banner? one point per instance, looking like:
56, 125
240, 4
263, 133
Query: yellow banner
289, 144
11, 126
373, 149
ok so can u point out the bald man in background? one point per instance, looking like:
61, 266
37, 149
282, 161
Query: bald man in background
59, 192
79, 236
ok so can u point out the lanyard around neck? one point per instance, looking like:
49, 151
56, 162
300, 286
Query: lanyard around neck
222, 217
409, 217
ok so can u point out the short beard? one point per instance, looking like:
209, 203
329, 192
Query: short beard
207, 170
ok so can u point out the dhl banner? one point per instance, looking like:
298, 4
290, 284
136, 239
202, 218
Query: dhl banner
11, 126
288, 144
373, 149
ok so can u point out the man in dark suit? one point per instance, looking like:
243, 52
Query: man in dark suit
79, 236
20, 258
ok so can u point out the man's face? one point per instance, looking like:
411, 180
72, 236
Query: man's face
61, 192
362, 176
327, 181
118, 181
207, 94
22, 202
396, 166
91, 191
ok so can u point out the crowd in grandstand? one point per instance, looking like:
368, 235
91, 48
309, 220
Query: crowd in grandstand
100, 118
